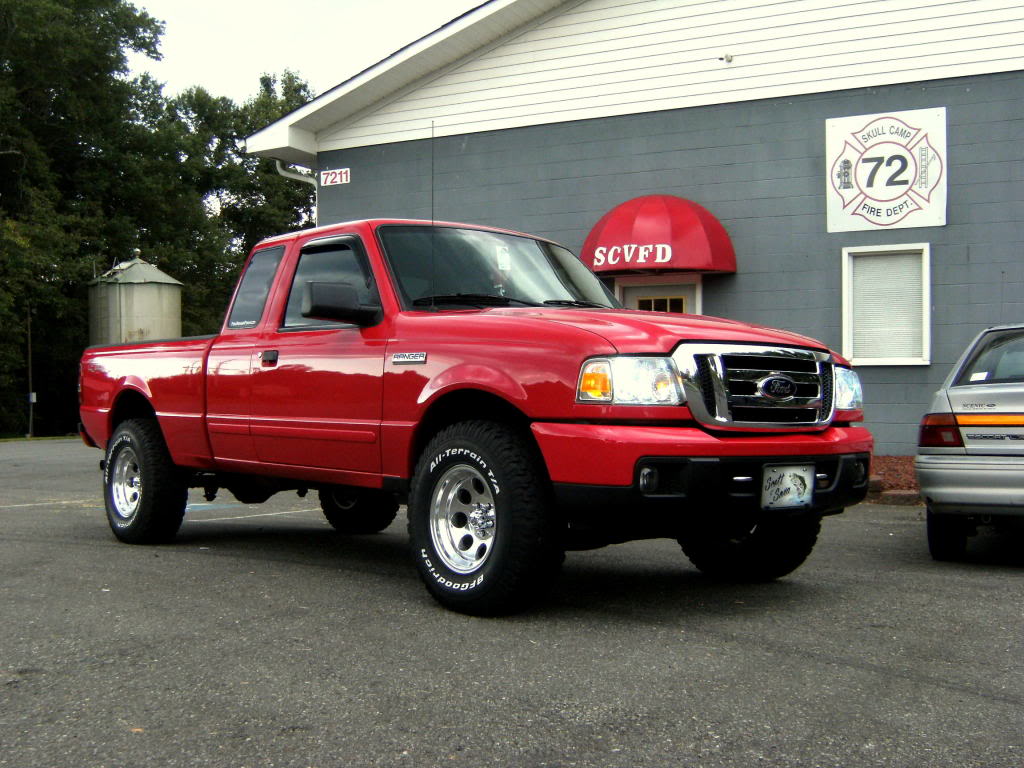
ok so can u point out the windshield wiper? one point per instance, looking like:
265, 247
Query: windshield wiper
475, 299
574, 303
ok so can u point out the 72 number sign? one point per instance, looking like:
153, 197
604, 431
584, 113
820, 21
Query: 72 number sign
886, 170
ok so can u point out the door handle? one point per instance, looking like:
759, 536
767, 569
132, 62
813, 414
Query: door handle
268, 357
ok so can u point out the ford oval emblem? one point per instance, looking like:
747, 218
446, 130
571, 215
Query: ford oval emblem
777, 387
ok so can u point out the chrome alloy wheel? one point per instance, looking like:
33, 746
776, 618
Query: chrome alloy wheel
126, 483
463, 522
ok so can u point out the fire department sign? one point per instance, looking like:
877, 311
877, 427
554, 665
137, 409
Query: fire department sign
886, 171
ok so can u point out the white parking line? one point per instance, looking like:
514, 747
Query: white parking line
47, 503
245, 517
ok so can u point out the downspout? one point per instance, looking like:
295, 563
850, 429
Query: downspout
306, 178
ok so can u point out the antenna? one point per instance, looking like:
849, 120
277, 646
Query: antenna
433, 230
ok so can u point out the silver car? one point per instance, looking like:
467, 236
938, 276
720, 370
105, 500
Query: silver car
970, 456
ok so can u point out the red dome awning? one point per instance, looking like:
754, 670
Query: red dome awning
659, 232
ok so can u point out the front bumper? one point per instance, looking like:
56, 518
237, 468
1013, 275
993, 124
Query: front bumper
972, 485
598, 467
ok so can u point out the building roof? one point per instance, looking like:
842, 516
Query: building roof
293, 137
518, 63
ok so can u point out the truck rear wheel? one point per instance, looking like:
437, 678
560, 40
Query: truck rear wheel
480, 520
144, 493
358, 510
760, 551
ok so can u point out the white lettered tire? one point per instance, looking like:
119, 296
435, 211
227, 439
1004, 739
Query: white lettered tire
144, 493
480, 521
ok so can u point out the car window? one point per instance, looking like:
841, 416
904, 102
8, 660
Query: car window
998, 359
335, 264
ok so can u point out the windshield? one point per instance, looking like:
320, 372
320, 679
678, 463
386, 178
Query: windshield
470, 267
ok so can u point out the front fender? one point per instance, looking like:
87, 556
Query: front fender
485, 378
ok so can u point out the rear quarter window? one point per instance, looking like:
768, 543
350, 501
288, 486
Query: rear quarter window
254, 288
998, 359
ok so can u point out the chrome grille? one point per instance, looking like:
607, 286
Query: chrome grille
759, 387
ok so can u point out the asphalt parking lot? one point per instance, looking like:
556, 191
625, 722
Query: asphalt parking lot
262, 638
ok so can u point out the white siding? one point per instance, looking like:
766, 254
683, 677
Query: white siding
601, 58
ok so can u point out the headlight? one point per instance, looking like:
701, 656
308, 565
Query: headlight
630, 381
849, 395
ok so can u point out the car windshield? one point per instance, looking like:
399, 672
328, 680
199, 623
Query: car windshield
998, 359
453, 266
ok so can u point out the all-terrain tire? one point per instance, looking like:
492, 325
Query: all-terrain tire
145, 494
760, 552
358, 510
481, 522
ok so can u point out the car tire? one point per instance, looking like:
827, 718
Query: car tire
145, 494
947, 536
761, 551
357, 510
481, 524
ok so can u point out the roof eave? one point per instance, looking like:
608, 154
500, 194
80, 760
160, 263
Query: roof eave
293, 138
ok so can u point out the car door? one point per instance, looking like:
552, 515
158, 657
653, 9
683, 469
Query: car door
316, 385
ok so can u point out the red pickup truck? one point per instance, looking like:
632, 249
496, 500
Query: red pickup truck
492, 383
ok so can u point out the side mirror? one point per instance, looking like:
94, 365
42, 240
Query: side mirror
337, 301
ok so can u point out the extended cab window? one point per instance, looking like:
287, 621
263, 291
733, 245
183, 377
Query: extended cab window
331, 263
999, 359
254, 288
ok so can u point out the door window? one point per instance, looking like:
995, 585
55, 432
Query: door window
337, 263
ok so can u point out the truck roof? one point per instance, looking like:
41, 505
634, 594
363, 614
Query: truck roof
373, 224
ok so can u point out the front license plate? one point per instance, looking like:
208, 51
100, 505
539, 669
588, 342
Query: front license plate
787, 486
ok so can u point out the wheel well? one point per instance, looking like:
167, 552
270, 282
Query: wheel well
130, 405
466, 405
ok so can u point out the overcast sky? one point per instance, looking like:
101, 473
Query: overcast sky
225, 45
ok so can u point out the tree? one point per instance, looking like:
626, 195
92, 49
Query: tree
94, 164
63, 98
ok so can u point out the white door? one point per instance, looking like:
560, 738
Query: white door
675, 297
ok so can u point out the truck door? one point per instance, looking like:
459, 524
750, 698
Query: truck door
228, 384
316, 392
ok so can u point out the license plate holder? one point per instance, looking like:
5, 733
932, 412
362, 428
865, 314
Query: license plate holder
787, 486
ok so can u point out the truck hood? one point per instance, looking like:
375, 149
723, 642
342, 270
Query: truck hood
635, 332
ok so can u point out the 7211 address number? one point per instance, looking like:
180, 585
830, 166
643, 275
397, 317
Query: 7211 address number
338, 176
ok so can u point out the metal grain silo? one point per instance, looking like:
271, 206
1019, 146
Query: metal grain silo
134, 301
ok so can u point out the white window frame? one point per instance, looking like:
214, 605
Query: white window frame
915, 249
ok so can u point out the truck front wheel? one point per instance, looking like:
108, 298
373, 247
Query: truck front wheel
480, 520
358, 510
760, 551
144, 493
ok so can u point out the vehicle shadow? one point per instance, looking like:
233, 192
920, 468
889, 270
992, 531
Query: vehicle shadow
996, 548
596, 586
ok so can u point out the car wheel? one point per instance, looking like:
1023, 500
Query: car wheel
357, 510
480, 520
947, 536
144, 492
758, 551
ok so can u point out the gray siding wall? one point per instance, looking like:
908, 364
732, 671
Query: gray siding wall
760, 167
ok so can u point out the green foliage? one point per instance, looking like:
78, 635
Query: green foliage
94, 164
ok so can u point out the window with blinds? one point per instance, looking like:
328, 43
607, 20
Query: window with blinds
886, 305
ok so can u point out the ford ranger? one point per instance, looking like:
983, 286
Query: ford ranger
491, 382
